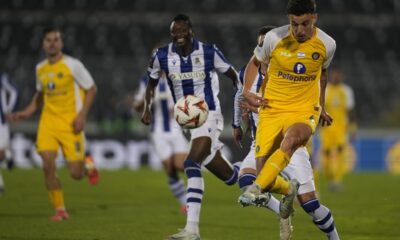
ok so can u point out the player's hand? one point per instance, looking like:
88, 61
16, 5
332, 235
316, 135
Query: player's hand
237, 134
325, 119
254, 99
146, 116
247, 107
79, 123
17, 116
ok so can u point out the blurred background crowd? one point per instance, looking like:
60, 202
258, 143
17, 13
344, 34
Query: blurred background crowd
114, 39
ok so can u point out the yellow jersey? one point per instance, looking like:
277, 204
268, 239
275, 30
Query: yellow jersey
339, 100
63, 84
294, 69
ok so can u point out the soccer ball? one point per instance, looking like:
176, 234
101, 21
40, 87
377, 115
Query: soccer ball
191, 111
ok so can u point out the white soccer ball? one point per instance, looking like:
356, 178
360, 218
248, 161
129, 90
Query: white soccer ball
191, 111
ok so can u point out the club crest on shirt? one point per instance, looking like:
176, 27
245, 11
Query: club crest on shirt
315, 55
197, 61
51, 85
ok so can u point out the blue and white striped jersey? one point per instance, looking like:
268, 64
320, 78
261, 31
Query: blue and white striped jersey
163, 119
8, 97
255, 87
191, 75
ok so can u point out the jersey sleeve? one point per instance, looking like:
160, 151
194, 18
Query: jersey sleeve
38, 84
263, 52
220, 62
237, 111
154, 68
350, 101
10, 102
330, 52
81, 75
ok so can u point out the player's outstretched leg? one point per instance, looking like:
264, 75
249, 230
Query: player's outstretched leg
322, 218
194, 196
177, 187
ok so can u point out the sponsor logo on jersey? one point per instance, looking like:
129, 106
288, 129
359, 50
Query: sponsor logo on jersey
285, 54
315, 55
299, 68
200, 75
51, 85
301, 55
296, 78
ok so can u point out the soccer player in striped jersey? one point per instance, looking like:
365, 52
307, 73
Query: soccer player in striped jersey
67, 90
191, 69
166, 135
335, 139
8, 101
299, 167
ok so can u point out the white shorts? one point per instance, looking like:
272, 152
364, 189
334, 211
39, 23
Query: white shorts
4, 136
299, 168
211, 128
168, 144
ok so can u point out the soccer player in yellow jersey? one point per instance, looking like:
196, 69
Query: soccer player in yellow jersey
335, 139
67, 91
297, 56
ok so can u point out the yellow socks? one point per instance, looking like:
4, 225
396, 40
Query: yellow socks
57, 198
272, 167
280, 186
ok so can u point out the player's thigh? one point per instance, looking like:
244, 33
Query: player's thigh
46, 140
211, 130
162, 146
299, 168
268, 135
72, 145
179, 143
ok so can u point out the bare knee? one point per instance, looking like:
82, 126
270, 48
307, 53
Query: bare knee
290, 144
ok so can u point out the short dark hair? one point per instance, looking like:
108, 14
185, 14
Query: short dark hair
183, 17
50, 29
265, 29
300, 7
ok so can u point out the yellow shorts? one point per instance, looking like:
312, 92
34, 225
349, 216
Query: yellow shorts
272, 127
332, 137
72, 145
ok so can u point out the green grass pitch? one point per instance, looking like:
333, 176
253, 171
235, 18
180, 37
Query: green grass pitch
138, 205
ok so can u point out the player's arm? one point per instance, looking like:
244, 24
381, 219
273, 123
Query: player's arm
250, 75
80, 120
237, 132
325, 119
148, 100
10, 102
27, 112
85, 81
